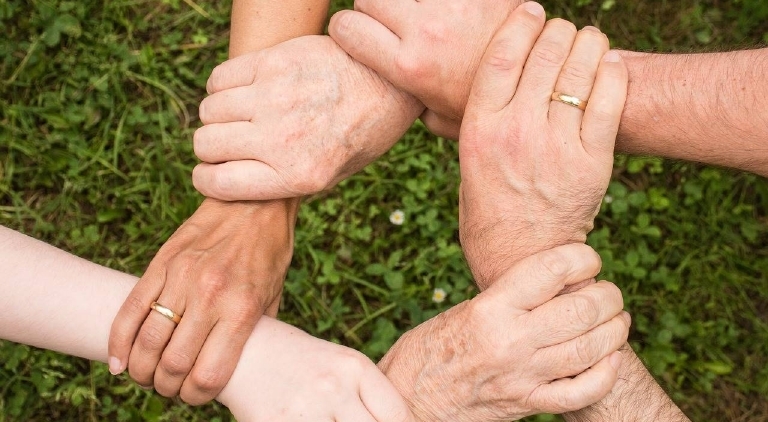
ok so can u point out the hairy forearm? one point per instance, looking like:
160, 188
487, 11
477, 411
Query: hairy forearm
636, 397
708, 108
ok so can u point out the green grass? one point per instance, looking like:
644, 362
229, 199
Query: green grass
97, 107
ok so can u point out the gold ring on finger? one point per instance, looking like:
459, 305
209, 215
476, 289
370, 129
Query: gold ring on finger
162, 310
570, 100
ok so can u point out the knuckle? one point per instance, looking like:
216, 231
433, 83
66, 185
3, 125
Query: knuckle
134, 305
555, 263
500, 57
176, 364
151, 338
435, 32
411, 65
214, 280
549, 53
584, 353
208, 381
578, 72
585, 309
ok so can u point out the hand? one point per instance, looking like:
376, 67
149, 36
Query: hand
430, 49
287, 375
222, 269
294, 120
510, 351
534, 171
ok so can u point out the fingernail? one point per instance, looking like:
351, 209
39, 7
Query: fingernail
115, 366
615, 360
612, 57
534, 8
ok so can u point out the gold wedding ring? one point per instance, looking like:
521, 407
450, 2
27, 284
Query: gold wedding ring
162, 310
570, 100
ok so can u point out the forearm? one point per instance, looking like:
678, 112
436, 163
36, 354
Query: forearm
636, 397
57, 301
708, 108
258, 24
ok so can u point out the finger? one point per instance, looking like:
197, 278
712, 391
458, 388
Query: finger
131, 316
231, 105
497, 77
245, 180
381, 398
440, 125
544, 65
220, 142
368, 41
575, 356
153, 336
393, 14
572, 315
240, 71
180, 354
577, 77
538, 278
216, 362
603, 114
565, 395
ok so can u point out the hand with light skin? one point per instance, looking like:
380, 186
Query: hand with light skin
562, 159
425, 47
57, 301
298, 117
516, 349
222, 269
534, 171
430, 49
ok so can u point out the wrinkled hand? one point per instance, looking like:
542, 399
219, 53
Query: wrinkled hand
430, 49
293, 120
534, 171
510, 351
222, 269
286, 375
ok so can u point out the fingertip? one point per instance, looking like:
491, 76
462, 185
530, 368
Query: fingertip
339, 23
116, 366
615, 360
612, 56
534, 9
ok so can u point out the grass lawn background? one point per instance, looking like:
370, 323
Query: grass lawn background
98, 102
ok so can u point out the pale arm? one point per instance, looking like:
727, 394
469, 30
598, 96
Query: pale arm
57, 301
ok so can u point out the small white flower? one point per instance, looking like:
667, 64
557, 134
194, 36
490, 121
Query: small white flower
397, 217
438, 296
608, 199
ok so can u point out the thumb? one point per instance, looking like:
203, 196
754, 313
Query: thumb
367, 41
538, 278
